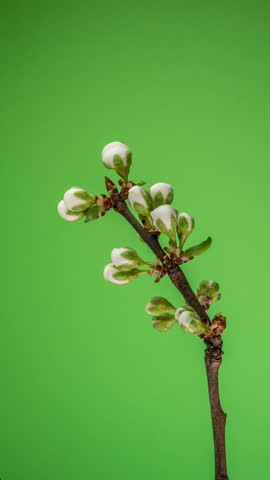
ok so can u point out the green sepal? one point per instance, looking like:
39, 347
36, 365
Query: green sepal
163, 229
141, 210
92, 213
184, 229
129, 159
130, 254
158, 199
87, 197
73, 212
127, 274
196, 328
120, 167
197, 249
164, 322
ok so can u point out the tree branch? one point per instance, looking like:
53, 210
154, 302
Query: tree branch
213, 359
175, 273
213, 352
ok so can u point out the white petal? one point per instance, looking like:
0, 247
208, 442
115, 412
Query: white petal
138, 195
184, 317
163, 188
114, 148
117, 258
71, 200
63, 209
163, 213
109, 270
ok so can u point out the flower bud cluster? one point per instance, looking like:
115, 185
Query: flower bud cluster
126, 266
78, 203
154, 209
166, 315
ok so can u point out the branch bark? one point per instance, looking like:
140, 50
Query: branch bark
213, 359
213, 352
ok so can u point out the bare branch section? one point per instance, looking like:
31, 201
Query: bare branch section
213, 359
175, 273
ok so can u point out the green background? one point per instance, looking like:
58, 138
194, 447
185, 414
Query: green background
88, 389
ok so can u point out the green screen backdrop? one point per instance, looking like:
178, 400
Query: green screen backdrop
89, 390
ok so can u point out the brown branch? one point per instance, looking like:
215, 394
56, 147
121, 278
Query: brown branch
213, 359
213, 352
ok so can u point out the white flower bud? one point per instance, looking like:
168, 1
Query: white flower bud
189, 321
125, 256
77, 199
164, 219
109, 271
161, 193
119, 276
67, 214
117, 156
185, 226
139, 200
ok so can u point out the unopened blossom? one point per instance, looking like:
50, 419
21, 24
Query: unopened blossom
67, 214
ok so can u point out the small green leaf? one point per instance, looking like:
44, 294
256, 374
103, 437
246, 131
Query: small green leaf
162, 323
197, 249
208, 292
159, 305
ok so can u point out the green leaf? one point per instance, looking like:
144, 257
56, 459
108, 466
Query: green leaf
208, 292
162, 323
159, 305
197, 249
